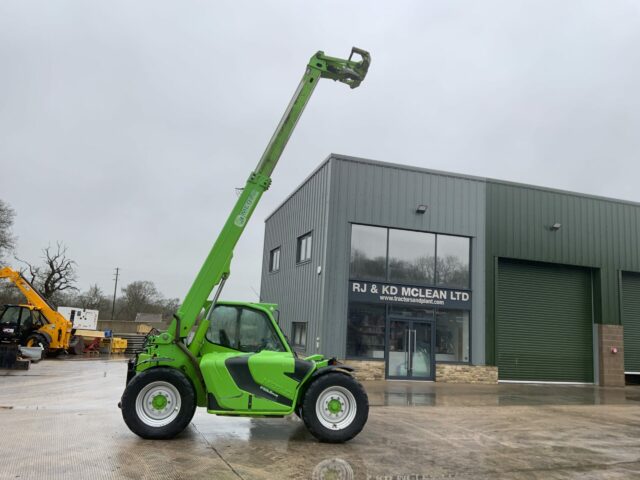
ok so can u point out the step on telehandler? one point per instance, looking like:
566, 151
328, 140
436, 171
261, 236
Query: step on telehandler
236, 360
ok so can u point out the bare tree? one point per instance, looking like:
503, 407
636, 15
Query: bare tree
56, 275
7, 240
93, 298
140, 296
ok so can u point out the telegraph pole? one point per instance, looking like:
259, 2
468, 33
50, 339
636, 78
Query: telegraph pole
115, 289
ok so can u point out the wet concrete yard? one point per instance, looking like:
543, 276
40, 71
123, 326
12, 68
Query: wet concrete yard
60, 421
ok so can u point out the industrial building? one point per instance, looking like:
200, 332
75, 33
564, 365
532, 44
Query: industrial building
427, 275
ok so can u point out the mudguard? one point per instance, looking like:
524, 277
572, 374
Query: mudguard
346, 369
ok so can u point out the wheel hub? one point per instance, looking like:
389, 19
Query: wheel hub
336, 408
158, 404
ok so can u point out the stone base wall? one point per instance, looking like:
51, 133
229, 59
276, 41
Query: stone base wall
374, 370
466, 373
611, 363
367, 369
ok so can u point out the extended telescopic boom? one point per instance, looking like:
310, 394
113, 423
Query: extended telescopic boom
216, 266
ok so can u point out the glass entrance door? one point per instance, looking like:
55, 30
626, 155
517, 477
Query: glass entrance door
411, 349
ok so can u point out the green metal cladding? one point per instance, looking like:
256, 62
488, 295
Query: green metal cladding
598, 233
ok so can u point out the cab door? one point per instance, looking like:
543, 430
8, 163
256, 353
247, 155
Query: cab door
247, 367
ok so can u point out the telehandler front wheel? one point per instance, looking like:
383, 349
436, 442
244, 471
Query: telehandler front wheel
335, 408
37, 339
158, 403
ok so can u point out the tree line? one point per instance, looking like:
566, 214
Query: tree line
55, 277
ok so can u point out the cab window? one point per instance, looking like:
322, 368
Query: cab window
25, 319
11, 315
223, 329
242, 329
38, 319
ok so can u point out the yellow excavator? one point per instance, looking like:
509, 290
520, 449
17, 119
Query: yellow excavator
37, 322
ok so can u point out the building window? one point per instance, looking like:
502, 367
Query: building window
299, 334
412, 257
274, 260
368, 253
381, 254
452, 336
365, 331
452, 268
304, 248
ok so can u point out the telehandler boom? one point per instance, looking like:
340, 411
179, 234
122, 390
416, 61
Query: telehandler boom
238, 361
37, 322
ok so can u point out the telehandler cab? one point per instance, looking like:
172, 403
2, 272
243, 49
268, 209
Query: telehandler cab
236, 360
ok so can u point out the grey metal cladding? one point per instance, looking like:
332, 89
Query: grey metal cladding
298, 288
376, 193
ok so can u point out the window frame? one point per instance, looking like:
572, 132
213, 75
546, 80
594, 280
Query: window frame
300, 240
385, 314
470, 320
272, 255
283, 343
386, 252
469, 263
299, 346
435, 257
435, 260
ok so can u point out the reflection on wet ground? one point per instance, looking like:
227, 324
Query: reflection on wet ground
415, 430
399, 393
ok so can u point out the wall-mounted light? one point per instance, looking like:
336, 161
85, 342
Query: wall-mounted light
421, 209
556, 226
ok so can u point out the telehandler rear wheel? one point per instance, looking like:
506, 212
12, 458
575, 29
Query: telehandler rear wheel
335, 408
158, 403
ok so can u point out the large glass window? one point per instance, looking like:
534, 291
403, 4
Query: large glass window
453, 262
368, 253
411, 257
365, 331
452, 336
242, 329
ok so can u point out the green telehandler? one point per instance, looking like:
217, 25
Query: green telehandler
236, 360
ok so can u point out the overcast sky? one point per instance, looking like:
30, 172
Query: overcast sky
126, 125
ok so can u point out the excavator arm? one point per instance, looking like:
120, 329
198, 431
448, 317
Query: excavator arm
216, 267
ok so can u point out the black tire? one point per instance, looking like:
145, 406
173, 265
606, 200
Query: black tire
35, 339
321, 389
54, 353
76, 345
158, 378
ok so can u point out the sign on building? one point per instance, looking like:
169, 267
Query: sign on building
409, 295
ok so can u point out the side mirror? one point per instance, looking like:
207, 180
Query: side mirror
277, 316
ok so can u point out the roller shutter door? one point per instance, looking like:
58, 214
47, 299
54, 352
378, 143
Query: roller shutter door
631, 320
544, 322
